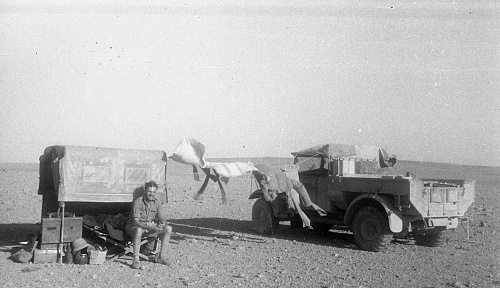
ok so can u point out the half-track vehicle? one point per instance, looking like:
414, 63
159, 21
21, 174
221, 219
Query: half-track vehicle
354, 184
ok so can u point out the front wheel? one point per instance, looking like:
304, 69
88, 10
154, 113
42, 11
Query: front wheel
263, 218
371, 229
435, 239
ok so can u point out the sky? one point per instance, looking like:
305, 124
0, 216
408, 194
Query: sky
252, 78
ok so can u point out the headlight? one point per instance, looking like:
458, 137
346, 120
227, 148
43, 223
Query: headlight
452, 195
436, 196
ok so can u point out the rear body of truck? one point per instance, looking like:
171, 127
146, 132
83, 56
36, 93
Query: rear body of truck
93, 180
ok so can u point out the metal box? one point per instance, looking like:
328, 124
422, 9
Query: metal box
51, 229
97, 256
46, 254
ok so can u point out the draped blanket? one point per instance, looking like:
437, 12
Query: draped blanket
191, 152
229, 170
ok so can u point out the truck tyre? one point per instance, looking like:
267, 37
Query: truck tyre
371, 229
321, 227
430, 240
263, 218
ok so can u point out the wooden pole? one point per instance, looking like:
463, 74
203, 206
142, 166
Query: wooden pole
61, 235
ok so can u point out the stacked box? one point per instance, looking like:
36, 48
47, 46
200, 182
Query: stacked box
51, 229
345, 166
367, 167
46, 254
354, 166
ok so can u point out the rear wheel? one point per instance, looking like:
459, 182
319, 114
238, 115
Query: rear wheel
263, 218
435, 239
371, 229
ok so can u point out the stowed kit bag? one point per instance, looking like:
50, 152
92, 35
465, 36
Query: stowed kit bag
25, 254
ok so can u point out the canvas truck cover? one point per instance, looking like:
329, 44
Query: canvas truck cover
92, 174
346, 151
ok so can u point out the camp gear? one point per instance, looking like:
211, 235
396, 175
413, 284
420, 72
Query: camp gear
48, 253
68, 253
79, 244
81, 258
51, 229
97, 255
126, 244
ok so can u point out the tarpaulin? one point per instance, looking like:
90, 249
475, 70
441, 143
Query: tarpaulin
346, 151
92, 174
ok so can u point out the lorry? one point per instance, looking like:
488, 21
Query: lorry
354, 184
81, 180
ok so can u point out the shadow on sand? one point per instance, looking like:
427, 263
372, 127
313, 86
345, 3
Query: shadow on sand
218, 229
223, 228
12, 234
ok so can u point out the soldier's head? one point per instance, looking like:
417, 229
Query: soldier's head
263, 173
150, 190
392, 161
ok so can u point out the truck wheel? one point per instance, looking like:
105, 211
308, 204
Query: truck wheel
371, 229
321, 227
263, 218
430, 240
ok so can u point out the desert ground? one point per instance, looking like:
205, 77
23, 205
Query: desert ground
215, 245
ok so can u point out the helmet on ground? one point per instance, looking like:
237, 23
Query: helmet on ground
79, 244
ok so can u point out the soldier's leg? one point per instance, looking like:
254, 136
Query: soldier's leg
304, 196
165, 239
136, 233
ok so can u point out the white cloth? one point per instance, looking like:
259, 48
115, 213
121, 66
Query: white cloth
229, 170
189, 151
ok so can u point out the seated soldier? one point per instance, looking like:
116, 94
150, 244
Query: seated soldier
274, 183
148, 218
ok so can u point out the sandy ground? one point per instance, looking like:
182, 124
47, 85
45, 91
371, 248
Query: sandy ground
214, 245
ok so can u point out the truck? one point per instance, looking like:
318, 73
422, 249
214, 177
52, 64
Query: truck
354, 184
81, 180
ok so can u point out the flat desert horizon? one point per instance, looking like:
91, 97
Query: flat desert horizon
421, 169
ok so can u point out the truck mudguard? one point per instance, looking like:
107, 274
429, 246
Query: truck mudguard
394, 215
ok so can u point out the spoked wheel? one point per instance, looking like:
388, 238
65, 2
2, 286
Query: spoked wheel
371, 229
263, 218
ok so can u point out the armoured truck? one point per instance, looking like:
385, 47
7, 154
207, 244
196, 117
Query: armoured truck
360, 192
